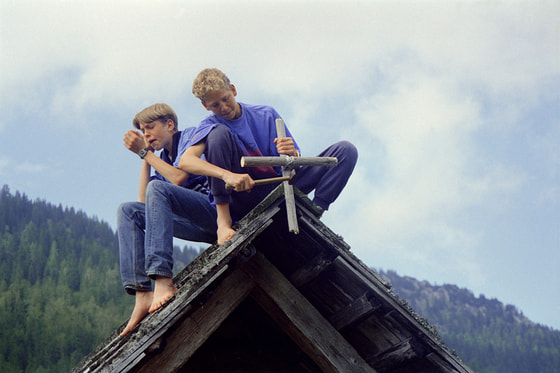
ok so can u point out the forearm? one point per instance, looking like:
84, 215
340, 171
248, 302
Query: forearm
172, 174
143, 182
193, 164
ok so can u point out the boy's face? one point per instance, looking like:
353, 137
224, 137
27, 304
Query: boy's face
158, 135
222, 103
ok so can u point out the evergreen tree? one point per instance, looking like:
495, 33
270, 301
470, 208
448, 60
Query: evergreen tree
60, 290
49, 316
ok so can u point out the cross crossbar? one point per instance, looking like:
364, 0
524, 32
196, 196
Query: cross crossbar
288, 161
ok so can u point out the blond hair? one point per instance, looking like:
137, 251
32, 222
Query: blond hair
209, 80
161, 112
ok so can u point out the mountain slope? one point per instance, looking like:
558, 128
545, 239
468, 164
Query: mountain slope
488, 335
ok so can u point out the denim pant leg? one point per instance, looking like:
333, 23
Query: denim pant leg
223, 151
194, 217
131, 223
174, 211
328, 182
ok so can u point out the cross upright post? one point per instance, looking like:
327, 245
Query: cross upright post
288, 188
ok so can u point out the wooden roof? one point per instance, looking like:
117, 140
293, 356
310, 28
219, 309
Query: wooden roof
273, 301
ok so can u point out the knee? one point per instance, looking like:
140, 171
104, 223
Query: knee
348, 151
219, 134
222, 148
126, 210
155, 186
122, 210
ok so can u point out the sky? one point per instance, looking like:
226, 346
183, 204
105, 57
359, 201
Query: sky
454, 107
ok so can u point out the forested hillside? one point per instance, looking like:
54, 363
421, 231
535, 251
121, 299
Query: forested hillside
60, 291
60, 296
488, 335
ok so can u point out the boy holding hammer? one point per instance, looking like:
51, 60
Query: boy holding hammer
234, 130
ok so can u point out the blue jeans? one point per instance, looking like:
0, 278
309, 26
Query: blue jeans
145, 231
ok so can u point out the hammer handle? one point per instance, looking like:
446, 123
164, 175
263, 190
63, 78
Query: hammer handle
266, 181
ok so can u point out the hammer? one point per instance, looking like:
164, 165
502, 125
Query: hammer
267, 181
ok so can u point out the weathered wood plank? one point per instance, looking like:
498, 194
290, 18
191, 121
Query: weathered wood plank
441, 363
328, 238
301, 321
307, 273
361, 307
195, 329
397, 356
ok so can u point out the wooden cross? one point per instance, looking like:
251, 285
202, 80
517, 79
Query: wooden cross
288, 165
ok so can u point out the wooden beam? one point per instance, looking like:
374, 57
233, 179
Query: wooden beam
301, 321
397, 356
190, 333
360, 308
440, 362
311, 270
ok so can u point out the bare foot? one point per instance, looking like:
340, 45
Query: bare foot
163, 290
141, 307
225, 234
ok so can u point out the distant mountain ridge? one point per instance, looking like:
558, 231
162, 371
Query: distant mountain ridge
422, 295
488, 335
60, 296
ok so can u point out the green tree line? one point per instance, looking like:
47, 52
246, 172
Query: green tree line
60, 290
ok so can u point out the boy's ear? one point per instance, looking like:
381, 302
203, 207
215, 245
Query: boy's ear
171, 125
204, 104
233, 90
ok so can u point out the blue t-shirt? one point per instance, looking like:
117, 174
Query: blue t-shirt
255, 131
181, 141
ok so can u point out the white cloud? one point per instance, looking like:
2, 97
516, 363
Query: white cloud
435, 94
4, 164
8, 166
121, 53
432, 174
31, 168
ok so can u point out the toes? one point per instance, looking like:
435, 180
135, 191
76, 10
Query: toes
154, 307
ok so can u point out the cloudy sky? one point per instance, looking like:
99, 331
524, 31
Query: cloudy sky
454, 107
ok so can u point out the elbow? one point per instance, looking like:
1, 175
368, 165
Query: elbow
183, 163
179, 178
180, 181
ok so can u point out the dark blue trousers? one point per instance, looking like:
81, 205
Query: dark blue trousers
223, 151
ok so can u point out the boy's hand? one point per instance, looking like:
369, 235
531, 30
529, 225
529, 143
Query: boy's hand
134, 141
239, 182
285, 145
